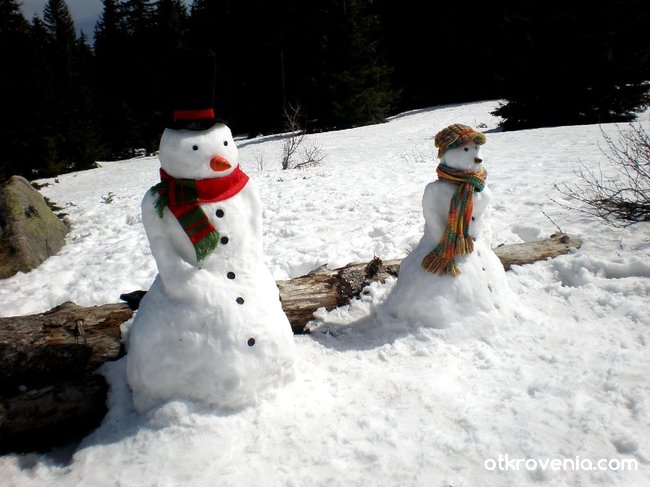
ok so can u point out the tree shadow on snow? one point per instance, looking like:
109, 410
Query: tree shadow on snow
370, 332
380, 328
121, 422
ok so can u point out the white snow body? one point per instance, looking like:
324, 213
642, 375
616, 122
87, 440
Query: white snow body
439, 301
212, 330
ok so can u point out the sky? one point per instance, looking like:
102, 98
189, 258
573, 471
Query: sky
84, 12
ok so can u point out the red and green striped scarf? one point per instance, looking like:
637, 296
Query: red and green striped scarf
183, 197
455, 239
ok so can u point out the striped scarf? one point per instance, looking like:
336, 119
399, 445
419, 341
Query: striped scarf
455, 239
183, 198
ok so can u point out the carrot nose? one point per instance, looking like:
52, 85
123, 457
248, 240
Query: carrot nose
219, 163
478, 160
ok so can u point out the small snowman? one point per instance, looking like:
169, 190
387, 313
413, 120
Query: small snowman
211, 329
453, 272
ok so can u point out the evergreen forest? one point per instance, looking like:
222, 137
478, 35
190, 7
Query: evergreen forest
70, 99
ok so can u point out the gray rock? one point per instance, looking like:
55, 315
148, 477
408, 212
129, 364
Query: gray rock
30, 232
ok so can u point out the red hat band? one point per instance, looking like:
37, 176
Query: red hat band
186, 115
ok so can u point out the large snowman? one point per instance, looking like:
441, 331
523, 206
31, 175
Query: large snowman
211, 328
453, 273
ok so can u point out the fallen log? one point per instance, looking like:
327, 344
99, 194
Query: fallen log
67, 340
329, 288
72, 339
530, 252
47, 359
48, 391
50, 415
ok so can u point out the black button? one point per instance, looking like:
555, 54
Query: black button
473, 218
251, 342
240, 300
230, 275
220, 213
224, 240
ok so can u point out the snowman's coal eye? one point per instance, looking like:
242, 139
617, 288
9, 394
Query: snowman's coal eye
195, 147
225, 142
466, 149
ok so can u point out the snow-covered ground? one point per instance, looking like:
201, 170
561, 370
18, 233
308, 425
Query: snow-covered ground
421, 407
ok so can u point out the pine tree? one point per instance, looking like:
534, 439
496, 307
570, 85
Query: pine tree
109, 33
141, 61
170, 23
138, 19
57, 66
16, 55
44, 129
353, 85
215, 26
61, 31
84, 140
574, 64
127, 58
362, 91
169, 31
110, 48
70, 122
441, 52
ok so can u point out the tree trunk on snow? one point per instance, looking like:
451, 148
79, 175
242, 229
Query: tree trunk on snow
70, 338
67, 340
530, 252
48, 392
46, 360
41, 417
329, 288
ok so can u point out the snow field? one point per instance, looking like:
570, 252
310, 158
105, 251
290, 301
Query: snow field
370, 406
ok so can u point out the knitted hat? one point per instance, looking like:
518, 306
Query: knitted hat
457, 135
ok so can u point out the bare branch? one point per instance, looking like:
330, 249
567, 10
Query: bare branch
259, 159
309, 156
620, 200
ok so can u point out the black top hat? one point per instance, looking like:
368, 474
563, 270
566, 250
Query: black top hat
189, 80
